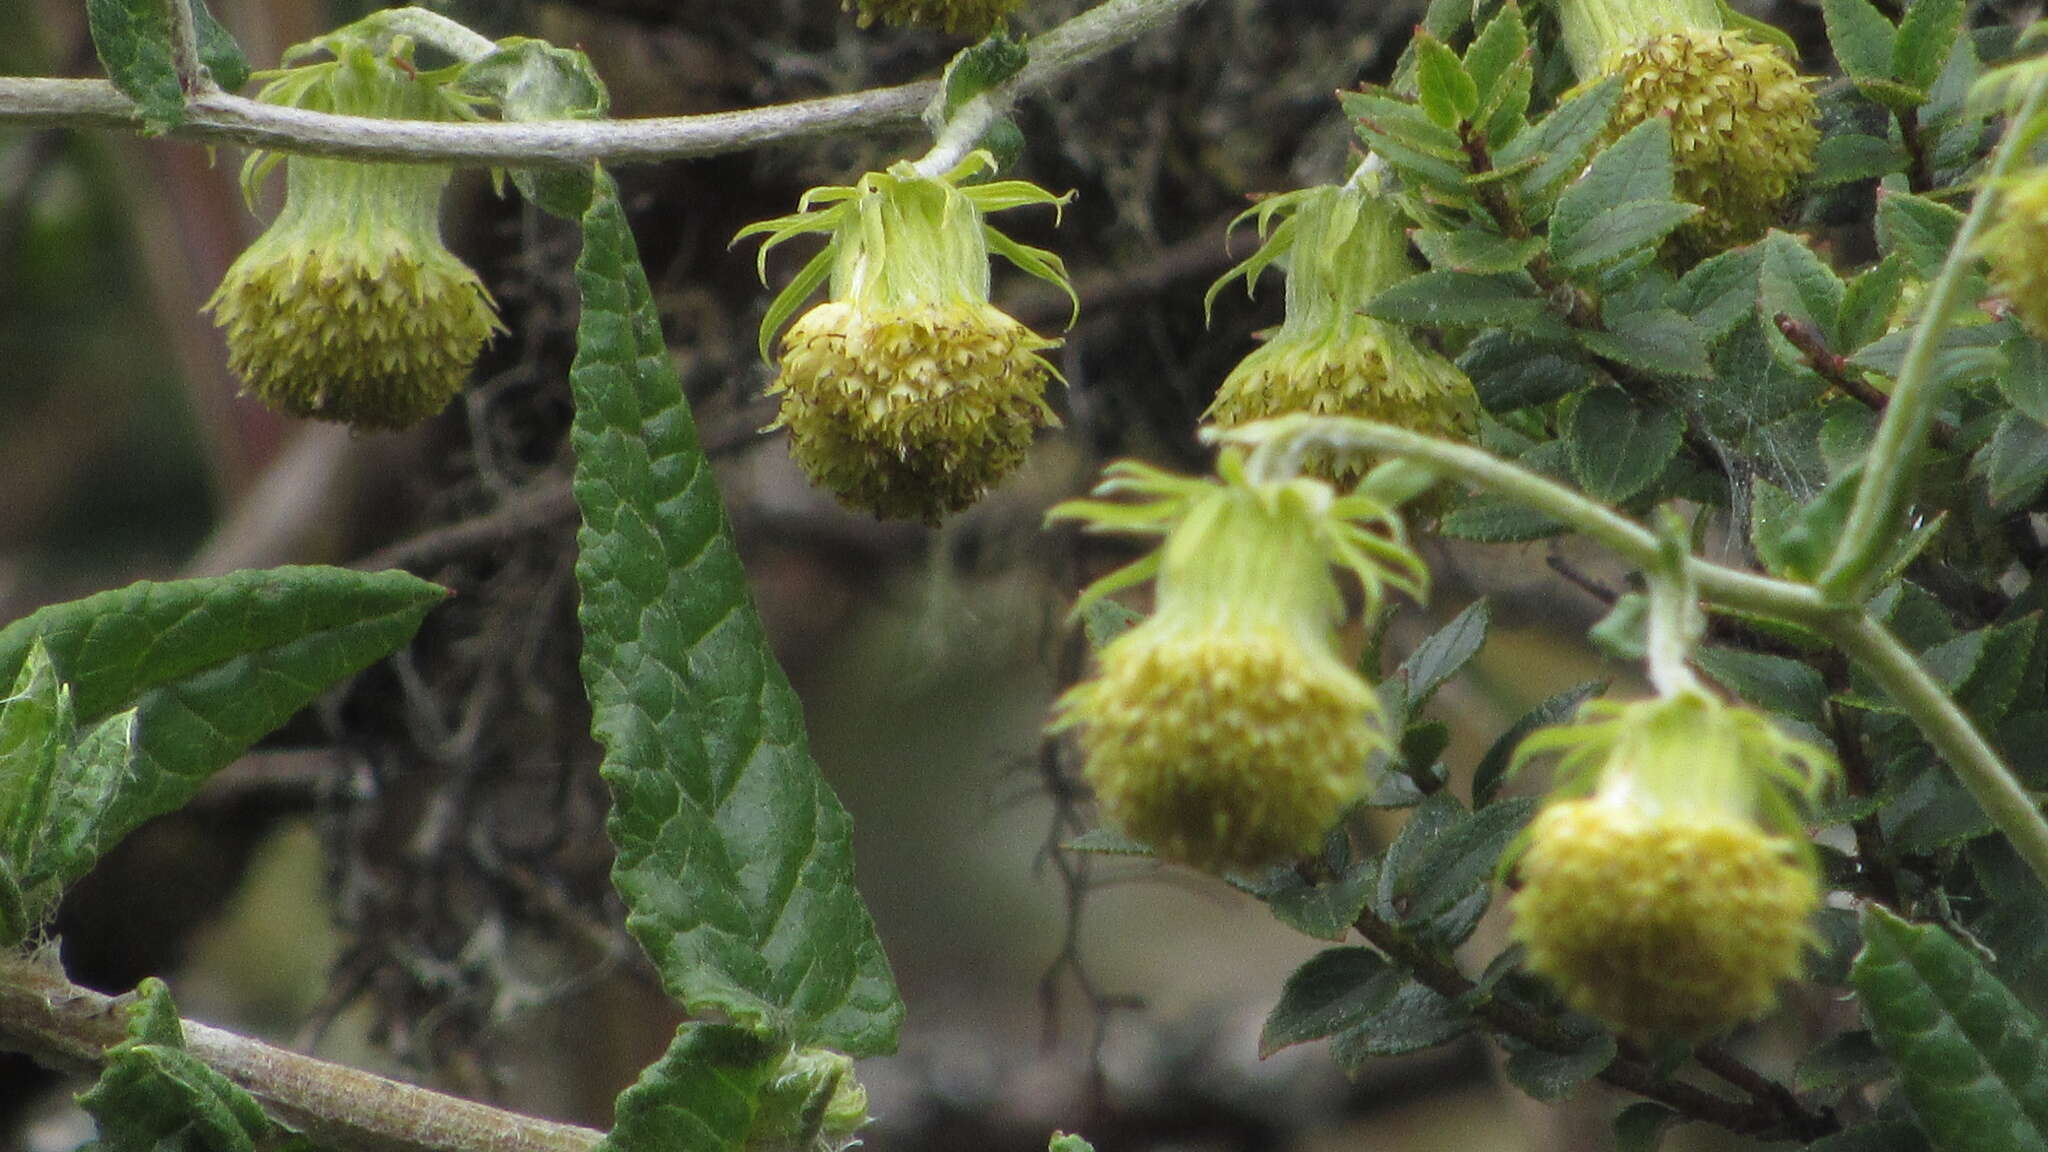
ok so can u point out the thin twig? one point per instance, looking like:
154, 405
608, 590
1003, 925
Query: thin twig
55, 1021
218, 117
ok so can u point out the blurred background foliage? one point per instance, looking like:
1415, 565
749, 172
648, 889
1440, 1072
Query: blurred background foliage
413, 877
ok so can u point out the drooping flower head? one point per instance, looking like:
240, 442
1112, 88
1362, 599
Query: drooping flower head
1226, 730
1668, 892
907, 394
968, 17
1340, 247
1743, 121
350, 307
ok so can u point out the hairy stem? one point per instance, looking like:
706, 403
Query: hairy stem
71, 1028
218, 117
1891, 468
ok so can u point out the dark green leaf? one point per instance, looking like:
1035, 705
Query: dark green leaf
1492, 770
2025, 380
1640, 1127
1853, 156
1721, 291
1926, 34
1495, 52
1917, 227
1620, 445
704, 1092
1477, 250
1338, 989
1861, 37
1798, 284
1972, 1059
1460, 300
1795, 540
1490, 519
1773, 683
978, 69
734, 857
1458, 859
1444, 653
534, 80
1622, 230
211, 665
1562, 141
218, 50
36, 732
1868, 305
1967, 353
1634, 170
1511, 372
1325, 910
1552, 1076
1657, 340
2015, 464
1414, 1019
153, 1096
133, 38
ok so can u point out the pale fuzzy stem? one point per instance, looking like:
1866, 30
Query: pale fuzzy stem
217, 117
438, 31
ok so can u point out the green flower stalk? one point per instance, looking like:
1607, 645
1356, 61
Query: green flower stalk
1671, 901
968, 17
1743, 128
907, 394
349, 307
1340, 247
1226, 730
2016, 248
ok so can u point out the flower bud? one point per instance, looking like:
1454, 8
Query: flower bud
1743, 121
1341, 246
1671, 901
2016, 247
1226, 730
968, 17
349, 307
813, 1104
907, 394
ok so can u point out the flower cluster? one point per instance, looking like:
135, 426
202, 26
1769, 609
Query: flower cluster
1671, 900
1340, 246
1743, 121
350, 307
1226, 730
907, 394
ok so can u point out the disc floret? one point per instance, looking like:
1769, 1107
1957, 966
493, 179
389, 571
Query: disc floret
1669, 891
1743, 121
1227, 730
350, 307
1340, 246
907, 394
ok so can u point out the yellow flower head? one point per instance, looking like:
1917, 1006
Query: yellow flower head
907, 394
969, 17
1672, 900
2016, 247
350, 307
1743, 121
1226, 730
1340, 246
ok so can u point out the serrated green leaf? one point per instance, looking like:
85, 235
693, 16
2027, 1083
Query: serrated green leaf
36, 731
1621, 445
1415, 1018
1972, 1059
1444, 653
1721, 291
1511, 372
2024, 383
1492, 770
1552, 1076
977, 69
1870, 301
2014, 464
1620, 232
1773, 683
1561, 142
1861, 37
1796, 283
153, 1096
133, 39
1455, 861
704, 1092
1477, 250
1656, 340
1633, 172
1498, 47
734, 857
1062, 1142
1107, 842
1851, 156
1461, 300
1966, 353
1324, 910
1337, 989
1490, 519
1926, 34
1920, 229
210, 666
1448, 96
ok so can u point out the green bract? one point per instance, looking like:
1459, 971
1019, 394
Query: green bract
1340, 246
1672, 900
907, 394
1227, 730
350, 307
